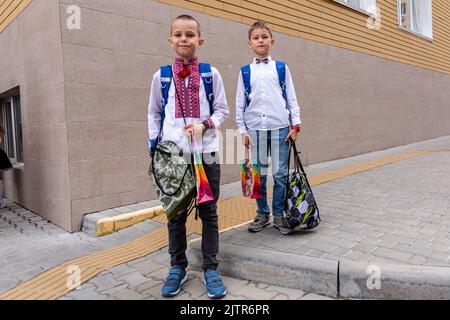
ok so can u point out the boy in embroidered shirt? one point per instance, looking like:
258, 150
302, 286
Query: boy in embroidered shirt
187, 101
267, 119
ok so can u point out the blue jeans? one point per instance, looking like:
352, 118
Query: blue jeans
265, 143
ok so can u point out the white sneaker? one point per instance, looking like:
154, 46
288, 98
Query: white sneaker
2, 204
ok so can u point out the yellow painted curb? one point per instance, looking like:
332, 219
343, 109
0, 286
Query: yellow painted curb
122, 221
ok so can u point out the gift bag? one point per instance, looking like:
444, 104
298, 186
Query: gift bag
204, 193
250, 177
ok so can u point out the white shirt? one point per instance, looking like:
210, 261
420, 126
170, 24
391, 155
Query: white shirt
267, 109
173, 127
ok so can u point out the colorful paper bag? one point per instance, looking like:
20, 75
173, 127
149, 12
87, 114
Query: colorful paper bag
250, 177
204, 193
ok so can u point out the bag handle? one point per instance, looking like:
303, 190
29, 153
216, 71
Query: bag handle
298, 167
248, 154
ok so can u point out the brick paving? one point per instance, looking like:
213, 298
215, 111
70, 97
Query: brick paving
398, 213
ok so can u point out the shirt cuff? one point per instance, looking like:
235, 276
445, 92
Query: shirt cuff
214, 123
242, 129
211, 124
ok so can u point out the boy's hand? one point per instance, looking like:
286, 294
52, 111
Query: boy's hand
196, 129
246, 141
291, 135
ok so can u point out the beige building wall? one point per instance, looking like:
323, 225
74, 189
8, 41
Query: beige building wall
351, 102
31, 58
85, 97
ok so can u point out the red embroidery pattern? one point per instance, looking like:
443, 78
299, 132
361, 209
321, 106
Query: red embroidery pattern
191, 105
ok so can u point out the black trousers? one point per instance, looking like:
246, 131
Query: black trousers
210, 226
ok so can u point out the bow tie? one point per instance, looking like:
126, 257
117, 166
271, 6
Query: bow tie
265, 60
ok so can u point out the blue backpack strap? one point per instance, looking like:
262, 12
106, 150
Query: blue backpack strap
166, 79
207, 77
281, 70
245, 71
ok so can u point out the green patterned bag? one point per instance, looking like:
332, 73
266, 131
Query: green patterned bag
301, 211
172, 178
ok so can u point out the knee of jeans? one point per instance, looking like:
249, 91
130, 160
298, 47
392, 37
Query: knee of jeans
208, 211
209, 219
281, 175
177, 219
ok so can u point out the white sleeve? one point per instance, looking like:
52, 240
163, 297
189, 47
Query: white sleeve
292, 103
240, 105
154, 107
220, 107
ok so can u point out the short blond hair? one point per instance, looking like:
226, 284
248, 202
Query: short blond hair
259, 25
186, 17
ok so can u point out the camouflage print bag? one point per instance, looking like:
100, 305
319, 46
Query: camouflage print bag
172, 179
301, 211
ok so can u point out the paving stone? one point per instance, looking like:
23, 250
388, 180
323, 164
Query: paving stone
313, 296
105, 281
130, 294
133, 279
115, 289
321, 245
8, 285
392, 254
290, 294
358, 256
87, 294
255, 293
150, 283
121, 270
194, 286
417, 260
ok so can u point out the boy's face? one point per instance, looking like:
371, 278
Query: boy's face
184, 38
261, 42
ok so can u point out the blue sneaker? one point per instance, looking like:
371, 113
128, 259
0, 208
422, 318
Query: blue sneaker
214, 284
174, 280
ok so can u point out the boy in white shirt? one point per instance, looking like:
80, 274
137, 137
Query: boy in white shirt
268, 116
188, 111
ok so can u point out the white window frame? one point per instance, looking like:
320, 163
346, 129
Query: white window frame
358, 8
6, 138
411, 13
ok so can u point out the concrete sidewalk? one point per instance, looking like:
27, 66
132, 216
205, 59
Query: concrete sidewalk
390, 216
391, 222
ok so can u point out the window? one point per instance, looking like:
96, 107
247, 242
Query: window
416, 16
11, 121
365, 6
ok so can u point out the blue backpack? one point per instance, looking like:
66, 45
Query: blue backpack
166, 80
281, 70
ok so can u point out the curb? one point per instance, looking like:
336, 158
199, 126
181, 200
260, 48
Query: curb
109, 225
393, 281
276, 268
337, 279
